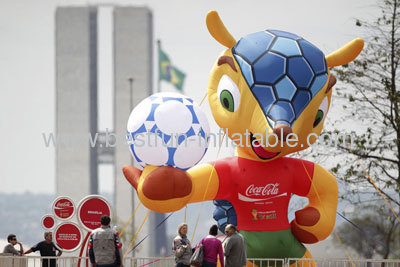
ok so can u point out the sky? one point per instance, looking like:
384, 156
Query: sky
27, 92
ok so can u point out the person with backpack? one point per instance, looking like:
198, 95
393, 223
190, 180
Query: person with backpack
104, 246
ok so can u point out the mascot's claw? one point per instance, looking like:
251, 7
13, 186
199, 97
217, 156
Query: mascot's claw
166, 183
306, 217
162, 189
132, 174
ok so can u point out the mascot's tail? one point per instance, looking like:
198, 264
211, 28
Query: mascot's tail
224, 214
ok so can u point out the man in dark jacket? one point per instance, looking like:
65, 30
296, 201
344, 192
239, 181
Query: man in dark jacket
234, 248
104, 246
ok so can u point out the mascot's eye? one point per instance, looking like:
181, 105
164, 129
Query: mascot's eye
318, 118
226, 99
321, 113
228, 93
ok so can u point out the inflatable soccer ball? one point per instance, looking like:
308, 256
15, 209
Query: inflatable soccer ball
168, 129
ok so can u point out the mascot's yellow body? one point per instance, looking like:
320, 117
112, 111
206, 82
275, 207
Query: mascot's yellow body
258, 180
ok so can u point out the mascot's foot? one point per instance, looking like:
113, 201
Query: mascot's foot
305, 263
302, 263
250, 264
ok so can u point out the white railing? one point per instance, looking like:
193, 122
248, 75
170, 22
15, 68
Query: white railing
149, 262
344, 262
36, 261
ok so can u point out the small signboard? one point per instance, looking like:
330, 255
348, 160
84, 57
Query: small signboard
48, 222
63, 208
68, 236
90, 210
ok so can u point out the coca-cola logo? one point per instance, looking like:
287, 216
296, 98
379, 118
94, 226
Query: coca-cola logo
63, 208
65, 204
266, 190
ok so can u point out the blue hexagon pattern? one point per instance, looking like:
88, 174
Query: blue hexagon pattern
282, 111
284, 34
287, 47
269, 68
283, 71
246, 70
300, 72
285, 89
253, 45
314, 56
265, 96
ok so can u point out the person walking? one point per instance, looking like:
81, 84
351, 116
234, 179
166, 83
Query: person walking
12, 240
212, 248
182, 248
105, 246
46, 249
234, 248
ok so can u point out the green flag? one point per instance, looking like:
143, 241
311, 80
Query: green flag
168, 72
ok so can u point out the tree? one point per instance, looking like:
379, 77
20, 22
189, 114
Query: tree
371, 101
377, 233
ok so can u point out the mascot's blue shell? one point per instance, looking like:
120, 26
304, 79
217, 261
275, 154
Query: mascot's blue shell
224, 214
283, 71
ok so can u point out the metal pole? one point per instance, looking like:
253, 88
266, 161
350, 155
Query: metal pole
130, 80
159, 67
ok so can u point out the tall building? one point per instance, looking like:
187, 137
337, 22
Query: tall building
76, 100
77, 106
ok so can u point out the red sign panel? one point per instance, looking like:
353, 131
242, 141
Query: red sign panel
48, 222
68, 236
90, 211
63, 208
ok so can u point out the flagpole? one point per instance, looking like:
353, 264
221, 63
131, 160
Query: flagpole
159, 79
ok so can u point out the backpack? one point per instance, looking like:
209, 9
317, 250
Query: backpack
104, 246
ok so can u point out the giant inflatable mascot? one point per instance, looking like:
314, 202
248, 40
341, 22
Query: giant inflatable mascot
267, 82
